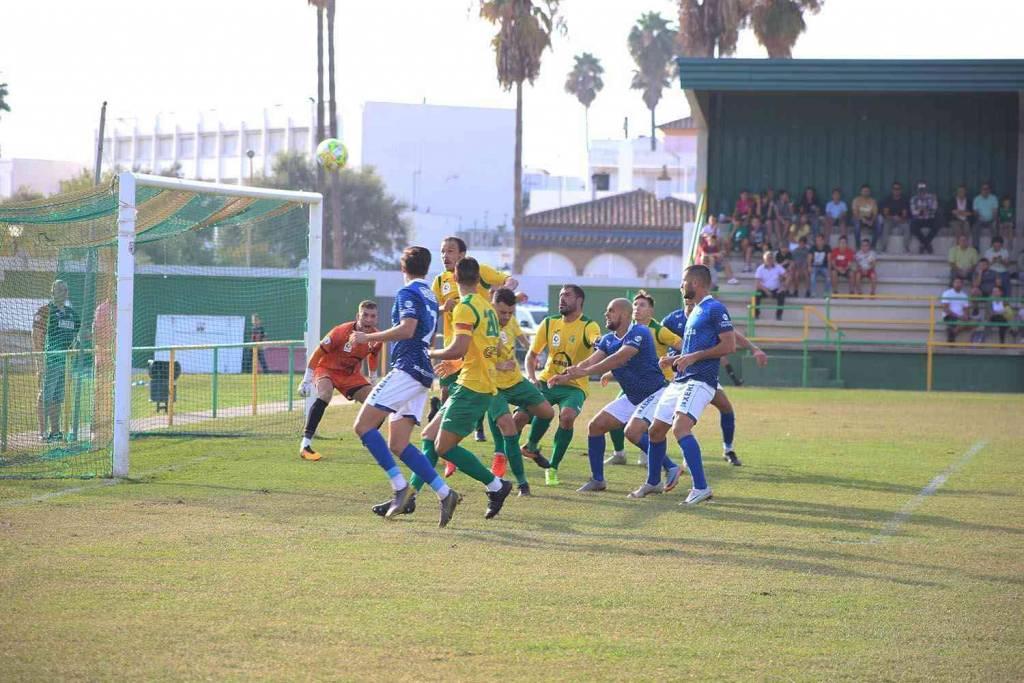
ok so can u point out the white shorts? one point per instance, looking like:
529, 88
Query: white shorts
621, 409
645, 410
401, 395
690, 397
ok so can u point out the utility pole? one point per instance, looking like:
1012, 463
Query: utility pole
99, 145
248, 228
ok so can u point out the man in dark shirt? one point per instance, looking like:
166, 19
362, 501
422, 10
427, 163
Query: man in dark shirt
895, 214
258, 335
55, 329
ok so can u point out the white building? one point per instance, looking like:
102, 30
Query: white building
211, 144
446, 161
36, 175
617, 166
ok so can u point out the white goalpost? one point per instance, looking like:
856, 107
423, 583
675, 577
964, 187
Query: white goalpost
129, 185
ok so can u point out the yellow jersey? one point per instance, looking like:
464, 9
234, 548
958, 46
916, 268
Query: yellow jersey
506, 352
567, 344
664, 338
447, 289
478, 373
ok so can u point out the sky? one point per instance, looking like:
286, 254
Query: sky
62, 58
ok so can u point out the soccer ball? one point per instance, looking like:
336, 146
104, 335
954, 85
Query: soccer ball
331, 154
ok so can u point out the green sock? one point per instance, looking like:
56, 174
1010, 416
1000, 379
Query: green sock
515, 458
563, 437
537, 429
431, 453
467, 463
496, 437
618, 439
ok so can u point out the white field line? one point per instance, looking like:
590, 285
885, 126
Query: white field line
890, 528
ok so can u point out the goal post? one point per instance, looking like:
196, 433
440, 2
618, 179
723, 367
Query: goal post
152, 305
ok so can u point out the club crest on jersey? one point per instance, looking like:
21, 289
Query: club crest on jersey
504, 337
408, 304
556, 339
326, 341
348, 346
446, 288
637, 339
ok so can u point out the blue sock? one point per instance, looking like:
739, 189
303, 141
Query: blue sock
645, 445
595, 451
655, 456
378, 447
728, 429
691, 454
418, 463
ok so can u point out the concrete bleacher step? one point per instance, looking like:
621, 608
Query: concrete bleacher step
785, 371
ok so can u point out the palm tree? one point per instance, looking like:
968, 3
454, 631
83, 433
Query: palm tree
652, 44
709, 25
584, 81
524, 32
3, 98
319, 4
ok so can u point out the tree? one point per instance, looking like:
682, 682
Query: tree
3, 98
524, 32
710, 26
584, 81
652, 44
374, 229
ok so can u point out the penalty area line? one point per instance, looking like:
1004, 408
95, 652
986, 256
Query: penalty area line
890, 528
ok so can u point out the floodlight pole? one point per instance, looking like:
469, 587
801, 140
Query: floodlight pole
313, 280
126, 214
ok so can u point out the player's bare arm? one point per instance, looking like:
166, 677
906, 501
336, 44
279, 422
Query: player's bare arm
457, 349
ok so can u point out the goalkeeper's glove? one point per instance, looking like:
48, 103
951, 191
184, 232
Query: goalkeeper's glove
306, 388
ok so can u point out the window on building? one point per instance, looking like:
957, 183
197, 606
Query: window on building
275, 142
229, 144
165, 147
186, 145
299, 138
144, 150
253, 140
208, 145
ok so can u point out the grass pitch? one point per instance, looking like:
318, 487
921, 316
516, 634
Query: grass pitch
819, 559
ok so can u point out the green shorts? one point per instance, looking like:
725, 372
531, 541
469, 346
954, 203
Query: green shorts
448, 381
564, 396
463, 410
522, 395
51, 381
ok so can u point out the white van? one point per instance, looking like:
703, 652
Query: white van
529, 317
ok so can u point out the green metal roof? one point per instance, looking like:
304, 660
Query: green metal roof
851, 75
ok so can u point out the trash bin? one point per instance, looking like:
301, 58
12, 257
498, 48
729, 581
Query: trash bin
159, 386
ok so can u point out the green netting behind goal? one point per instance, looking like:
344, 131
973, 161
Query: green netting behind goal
219, 318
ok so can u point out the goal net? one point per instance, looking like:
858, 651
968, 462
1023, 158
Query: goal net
153, 306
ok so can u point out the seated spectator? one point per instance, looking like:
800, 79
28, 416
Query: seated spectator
740, 239
783, 217
985, 279
716, 259
799, 275
923, 207
842, 265
895, 215
810, 207
711, 228
758, 237
954, 309
819, 261
962, 260
798, 230
986, 214
1006, 222
865, 215
784, 257
866, 259
744, 209
999, 262
977, 314
835, 214
1000, 312
767, 212
960, 213
770, 277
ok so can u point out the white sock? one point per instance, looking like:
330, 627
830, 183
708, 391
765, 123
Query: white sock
306, 442
398, 482
443, 492
727, 447
618, 453
494, 486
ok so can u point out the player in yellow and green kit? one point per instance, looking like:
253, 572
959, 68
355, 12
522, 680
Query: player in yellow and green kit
446, 290
664, 338
475, 342
512, 388
569, 338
